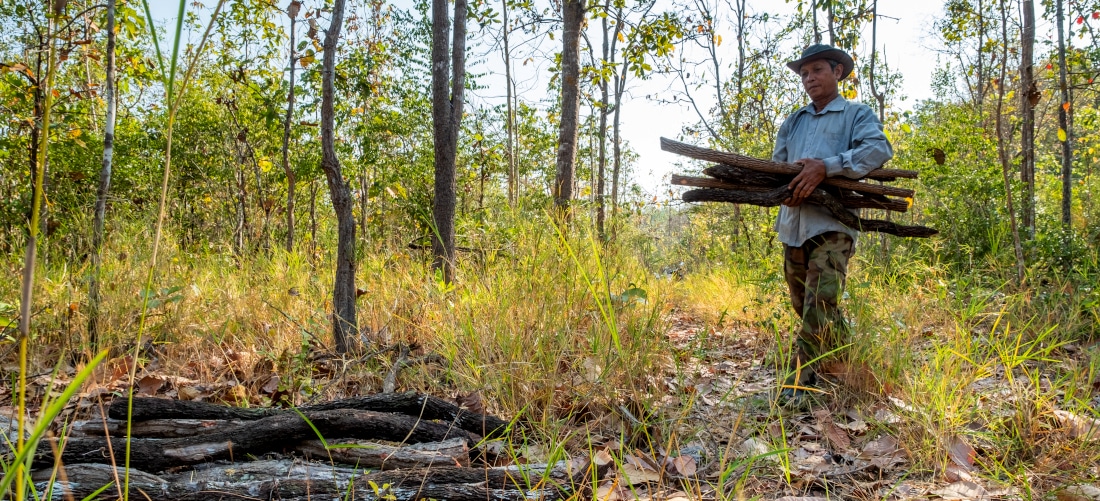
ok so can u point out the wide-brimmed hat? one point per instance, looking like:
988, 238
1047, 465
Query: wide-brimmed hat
822, 51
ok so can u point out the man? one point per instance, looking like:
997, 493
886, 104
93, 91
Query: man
828, 137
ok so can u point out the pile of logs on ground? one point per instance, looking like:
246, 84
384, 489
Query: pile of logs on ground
745, 180
392, 446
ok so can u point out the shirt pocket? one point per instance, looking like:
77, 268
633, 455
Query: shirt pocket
829, 144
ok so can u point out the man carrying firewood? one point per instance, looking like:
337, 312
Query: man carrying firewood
829, 137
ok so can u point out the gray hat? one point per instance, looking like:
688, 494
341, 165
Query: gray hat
822, 51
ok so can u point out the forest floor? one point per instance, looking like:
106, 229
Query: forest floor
855, 439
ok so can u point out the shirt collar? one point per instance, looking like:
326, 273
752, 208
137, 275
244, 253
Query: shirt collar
837, 104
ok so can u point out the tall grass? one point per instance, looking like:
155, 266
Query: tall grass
528, 325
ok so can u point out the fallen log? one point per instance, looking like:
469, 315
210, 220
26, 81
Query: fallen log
268, 434
408, 403
851, 202
776, 196
289, 479
153, 428
361, 453
453, 452
757, 164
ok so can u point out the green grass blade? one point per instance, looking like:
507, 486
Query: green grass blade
156, 40
51, 413
176, 51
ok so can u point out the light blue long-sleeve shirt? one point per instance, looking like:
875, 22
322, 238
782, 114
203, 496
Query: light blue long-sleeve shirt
848, 138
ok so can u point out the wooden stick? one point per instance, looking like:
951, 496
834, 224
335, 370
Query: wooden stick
768, 166
849, 202
408, 403
778, 195
256, 437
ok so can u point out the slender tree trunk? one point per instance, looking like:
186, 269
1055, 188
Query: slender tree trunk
813, 11
980, 97
1064, 122
448, 82
313, 213
601, 135
832, 26
242, 210
572, 17
1029, 97
1002, 149
344, 325
738, 107
513, 182
880, 99
104, 181
291, 181
616, 144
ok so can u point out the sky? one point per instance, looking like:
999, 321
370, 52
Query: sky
904, 28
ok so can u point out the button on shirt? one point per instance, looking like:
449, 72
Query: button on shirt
848, 138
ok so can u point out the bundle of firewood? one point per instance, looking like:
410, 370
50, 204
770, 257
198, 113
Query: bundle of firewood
745, 180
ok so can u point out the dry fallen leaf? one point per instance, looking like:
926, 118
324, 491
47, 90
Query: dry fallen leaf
755, 448
683, 465
635, 475
271, 386
961, 490
149, 385
961, 453
837, 437
612, 490
954, 473
801, 498
885, 445
1079, 426
1081, 492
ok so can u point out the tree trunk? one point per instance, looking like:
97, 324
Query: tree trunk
1064, 122
572, 17
448, 83
292, 11
1002, 150
344, 325
104, 181
1029, 97
513, 181
601, 135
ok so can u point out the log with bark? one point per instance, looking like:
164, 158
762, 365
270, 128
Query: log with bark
290, 479
776, 196
269, 434
181, 450
759, 165
408, 403
745, 180
363, 453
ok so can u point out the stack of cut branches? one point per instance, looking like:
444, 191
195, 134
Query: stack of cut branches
745, 180
390, 446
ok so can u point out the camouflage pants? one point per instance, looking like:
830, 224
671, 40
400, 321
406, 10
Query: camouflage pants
815, 274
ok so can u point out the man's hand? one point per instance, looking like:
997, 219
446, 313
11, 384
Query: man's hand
813, 172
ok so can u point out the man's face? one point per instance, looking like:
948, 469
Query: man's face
819, 79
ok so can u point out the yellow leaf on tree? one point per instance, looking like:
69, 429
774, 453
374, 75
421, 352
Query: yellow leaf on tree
265, 165
1061, 134
717, 40
621, 37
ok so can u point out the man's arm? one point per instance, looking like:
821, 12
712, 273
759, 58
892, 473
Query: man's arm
870, 151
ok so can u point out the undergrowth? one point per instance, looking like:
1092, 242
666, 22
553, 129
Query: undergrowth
571, 338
